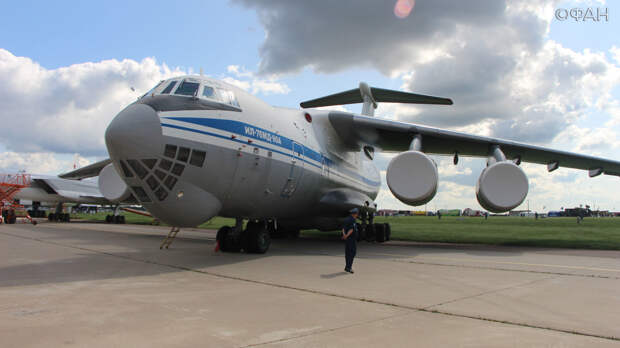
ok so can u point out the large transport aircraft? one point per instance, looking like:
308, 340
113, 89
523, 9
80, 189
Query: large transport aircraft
48, 190
194, 147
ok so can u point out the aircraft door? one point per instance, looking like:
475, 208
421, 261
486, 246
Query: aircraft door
296, 170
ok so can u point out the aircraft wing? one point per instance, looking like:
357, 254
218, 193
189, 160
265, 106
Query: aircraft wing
86, 172
393, 136
44, 188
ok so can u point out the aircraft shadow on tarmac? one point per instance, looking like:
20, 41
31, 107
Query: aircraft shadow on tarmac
104, 254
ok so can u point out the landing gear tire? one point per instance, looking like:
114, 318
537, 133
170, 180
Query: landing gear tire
380, 233
293, 233
256, 238
59, 217
360, 232
370, 233
275, 233
388, 232
224, 238
108, 218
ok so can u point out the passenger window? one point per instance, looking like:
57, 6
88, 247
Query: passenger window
169, 88
208, 92
187, 88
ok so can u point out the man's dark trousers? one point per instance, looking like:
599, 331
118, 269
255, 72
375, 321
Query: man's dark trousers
350, 250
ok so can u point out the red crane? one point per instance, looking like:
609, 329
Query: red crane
10, 185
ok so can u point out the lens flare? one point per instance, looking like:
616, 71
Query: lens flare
403, 8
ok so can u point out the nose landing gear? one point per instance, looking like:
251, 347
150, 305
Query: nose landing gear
254, 239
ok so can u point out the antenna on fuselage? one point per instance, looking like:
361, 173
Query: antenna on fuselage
201, 71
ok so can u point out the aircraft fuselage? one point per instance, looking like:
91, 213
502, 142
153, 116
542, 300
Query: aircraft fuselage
189, 158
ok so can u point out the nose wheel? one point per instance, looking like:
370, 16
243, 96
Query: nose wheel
254, 239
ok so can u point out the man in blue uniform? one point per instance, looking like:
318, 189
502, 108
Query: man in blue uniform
349, 235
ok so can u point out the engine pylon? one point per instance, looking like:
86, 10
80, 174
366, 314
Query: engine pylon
502, 185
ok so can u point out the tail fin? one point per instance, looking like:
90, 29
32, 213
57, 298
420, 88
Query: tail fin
370, 96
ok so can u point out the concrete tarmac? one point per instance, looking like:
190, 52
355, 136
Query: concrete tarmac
98, 285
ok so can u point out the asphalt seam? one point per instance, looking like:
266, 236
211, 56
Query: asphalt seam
508, 269
487, 292
282, 286
404, 260
333, 329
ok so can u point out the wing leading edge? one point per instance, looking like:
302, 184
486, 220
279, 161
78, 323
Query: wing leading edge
89, 171
393, 136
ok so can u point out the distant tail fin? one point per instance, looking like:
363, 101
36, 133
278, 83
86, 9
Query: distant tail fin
370, 96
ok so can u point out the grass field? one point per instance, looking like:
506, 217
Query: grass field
591, 233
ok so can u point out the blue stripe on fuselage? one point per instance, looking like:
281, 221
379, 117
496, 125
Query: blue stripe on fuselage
253, 132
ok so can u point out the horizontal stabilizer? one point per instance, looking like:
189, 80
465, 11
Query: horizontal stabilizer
378, 94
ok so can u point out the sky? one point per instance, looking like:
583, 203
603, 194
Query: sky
513, 69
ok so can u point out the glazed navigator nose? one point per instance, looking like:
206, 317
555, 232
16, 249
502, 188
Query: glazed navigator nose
134, 132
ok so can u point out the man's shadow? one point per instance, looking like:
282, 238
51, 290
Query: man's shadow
333, 275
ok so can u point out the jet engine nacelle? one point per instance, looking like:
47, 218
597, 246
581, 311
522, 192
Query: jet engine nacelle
111, 185
412, 177
502, 186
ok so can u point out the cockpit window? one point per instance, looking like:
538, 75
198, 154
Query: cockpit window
169, 88
152, 90
208, 92
228, 97
187, 88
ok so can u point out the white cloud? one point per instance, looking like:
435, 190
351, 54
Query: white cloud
244, 85
247, 81
67, 110
334, 108
494, 59
39, 162
592, 141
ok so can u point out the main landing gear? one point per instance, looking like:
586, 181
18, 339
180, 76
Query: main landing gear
372, 232
116, 217
254, 239
375, 232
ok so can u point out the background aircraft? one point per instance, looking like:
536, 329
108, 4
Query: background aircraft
47, 190
194, 147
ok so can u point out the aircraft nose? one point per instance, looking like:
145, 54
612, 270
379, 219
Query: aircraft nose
134, 132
